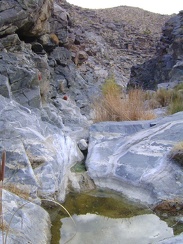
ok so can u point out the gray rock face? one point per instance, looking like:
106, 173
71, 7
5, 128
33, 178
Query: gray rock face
28, 17
30, 223
39, 154
166, 66
133, 159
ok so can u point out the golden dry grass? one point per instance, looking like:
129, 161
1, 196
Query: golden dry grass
17, 191
115, 108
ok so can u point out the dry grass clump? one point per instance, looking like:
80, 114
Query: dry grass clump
17, 191
177, 152
170, 98
115, 105
163, 97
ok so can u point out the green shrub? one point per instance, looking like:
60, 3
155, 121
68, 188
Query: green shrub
111, 88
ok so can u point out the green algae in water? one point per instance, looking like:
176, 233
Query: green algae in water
78, 167
104, 203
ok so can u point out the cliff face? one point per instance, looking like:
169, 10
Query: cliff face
167, 64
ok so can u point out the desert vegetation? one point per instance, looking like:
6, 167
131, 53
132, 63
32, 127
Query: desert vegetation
177, 153
114, 104
170, 98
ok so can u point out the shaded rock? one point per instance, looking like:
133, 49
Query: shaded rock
59, 23
166, 66
80, 182
49, 42
61, 55
25, 17
28, 97
133, 160
38, 48
11, 42
5, 89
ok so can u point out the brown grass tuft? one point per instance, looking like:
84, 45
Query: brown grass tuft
114, 108
17, 191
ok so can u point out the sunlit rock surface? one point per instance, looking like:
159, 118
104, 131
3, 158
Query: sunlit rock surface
39, 154
24, 221
91, 228
132, 158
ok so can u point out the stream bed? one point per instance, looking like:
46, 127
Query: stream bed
103, 217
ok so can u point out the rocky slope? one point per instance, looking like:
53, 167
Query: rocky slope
108, 43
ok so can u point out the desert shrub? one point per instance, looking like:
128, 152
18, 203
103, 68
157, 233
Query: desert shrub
177, 152
163, 97
176, 104
115, 105
111, 88
170, 98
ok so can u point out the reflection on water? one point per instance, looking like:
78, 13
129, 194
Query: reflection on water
99, 203
92, 229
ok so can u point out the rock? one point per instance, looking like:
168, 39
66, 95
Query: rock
28, 97
166, 65
60, 22
61, 55
5, 89
82, 144
81, 57
80, 182
173, 240
38, 48
27, 139
11, 42
132, 159
27, 18
24, 228
49, 42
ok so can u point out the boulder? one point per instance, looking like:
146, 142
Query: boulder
59, 22
39, 154
28, 18
132, 158
25, 221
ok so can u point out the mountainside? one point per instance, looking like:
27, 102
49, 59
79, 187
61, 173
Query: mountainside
117, 37
108, 43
